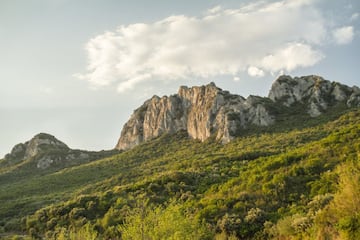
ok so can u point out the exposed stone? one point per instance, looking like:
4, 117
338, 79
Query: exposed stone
46, 151
44, 162
340, 92
313, 91
208, 110
354, 99
17, 153
41, 142
201, 111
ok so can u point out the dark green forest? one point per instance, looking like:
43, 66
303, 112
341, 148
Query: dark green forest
298, 179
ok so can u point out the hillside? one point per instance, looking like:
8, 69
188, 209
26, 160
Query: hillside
296, 178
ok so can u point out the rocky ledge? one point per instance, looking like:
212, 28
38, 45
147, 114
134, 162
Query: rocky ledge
210, 111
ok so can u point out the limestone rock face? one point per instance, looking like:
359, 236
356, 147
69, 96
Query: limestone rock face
354, 99
209, 111
201, 111
39, 143
45, 151
313, 91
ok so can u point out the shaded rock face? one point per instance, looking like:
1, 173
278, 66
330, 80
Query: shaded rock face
208, 110
313, 91
201, 111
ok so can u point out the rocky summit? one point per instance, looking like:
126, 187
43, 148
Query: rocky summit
205, 111
201, 111
38, 144
44, 151
314, 92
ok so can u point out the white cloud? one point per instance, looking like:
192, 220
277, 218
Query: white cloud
343, 35
259, 38
291, 57
255, 72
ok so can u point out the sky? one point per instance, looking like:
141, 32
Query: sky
78, 69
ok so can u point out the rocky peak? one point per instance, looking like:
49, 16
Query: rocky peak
315, 92
201, 110
42, 142
38, 144
207, 91
44, 151
207, 110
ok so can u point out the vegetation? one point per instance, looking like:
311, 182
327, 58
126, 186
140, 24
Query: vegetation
284, 182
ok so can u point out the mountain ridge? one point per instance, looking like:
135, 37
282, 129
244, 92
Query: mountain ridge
246, 187
207, 110
281, 181
201, 111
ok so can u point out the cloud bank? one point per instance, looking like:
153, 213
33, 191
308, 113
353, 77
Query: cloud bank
259, 38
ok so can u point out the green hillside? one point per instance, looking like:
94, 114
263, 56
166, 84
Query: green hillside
298, 180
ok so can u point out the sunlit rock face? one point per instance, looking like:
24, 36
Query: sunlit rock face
201, 111
42, 142
44, 151
38, 144
205, 111
314, 92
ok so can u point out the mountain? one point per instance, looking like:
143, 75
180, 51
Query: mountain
296, 177
44, 151
292, 184
208, 110
314, 92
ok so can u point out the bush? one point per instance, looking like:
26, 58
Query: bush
147, 222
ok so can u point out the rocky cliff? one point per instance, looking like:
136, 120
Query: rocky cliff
314, 92
208, 110
201, 111
44, 151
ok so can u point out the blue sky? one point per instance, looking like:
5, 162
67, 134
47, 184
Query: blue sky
77, 69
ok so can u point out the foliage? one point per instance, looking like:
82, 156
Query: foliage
145, 222
282, 183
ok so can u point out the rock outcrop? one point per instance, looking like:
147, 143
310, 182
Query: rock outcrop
38, 144
209, 111
314, 92
46, 151
201, 111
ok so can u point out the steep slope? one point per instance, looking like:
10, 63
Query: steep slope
208, 110
278, 180
27, 179
235, 188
